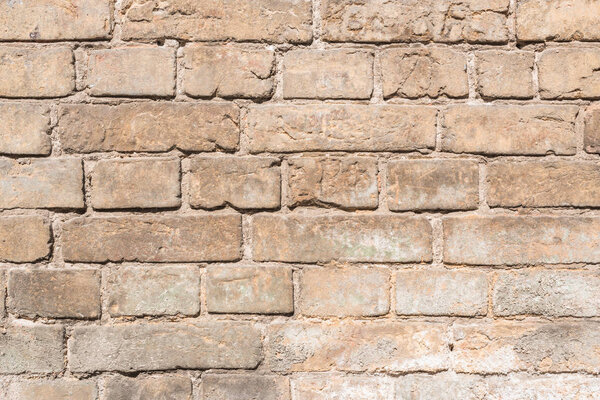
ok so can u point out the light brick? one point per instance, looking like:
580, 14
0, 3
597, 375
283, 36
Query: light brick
326, 387
366, 238
2, 294
246, 289
551, 387
592, 130
153, 238
442, 386
570, 73
327, 74
29, 347
25, 129
24, 238
124, 183
432, 185
59, 389
244, 387
167, 387
505, 75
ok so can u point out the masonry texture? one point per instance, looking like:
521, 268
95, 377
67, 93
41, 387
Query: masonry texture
299, 199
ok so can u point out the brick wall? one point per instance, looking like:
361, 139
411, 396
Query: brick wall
297, 199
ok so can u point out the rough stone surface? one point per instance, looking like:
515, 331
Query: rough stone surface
25, 129
592, 130
29, 347
342, 387
244, 387
24, 238
569, 74
442, 386
167, 387
564, 387
505, 75
59, 389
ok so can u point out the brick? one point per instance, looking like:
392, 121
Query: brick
344, 292
58, 389
511, 240
441, 292
569, 74
376, 346
447, 21
132, 71
327, 74
329, 127
153, 239
441, 387
42, 183
2, 294
505, 75
564, 387
342, 387
228, 72
25, 129
168, 387
432, 185
54, 293
148, 347
366, 238
543, 184
276, 21
249, 290
39, 73
424, 72
519, 130
242, 182
124, 183
29, 347
591, 130
346, 182
140, 291
244, 387
149, 127
24, 239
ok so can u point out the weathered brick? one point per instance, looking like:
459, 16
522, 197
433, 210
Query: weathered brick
147, 347
327, 74
25, 129
432, 185
153, 290
570, 73
441, 292
503, 74
24, 238
45, 183
228, 72
132, 71
154, 238
243, 182
559, 386
54, 293
346, 182
275, 21
246, 289
2, 294
167, 387
328, 127
39, 73
124, 183
526, 130
244, 387
28, 347
366, 238
326, 387
421, 72
510, 240
59, 389
149, 127
344, 292
442, 386
592, 130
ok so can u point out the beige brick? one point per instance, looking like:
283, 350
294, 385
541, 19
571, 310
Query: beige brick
330, 127
140, 291
570, 73
421, 72
356, 238
136, 183
153, 238
592, 130
24, 238
228, 72
149, 127
327, 387
244, 387
132, 71
560, 386
148, 347
327, 74
520, 130
59, 389
275, 21
442, 386
249, 290
346, 182
446, 21
39, 73
243, 182
432, 185
344, 292
504, 75
41, 183
73, 293
2, 294
29, 347
167, 387
25, 129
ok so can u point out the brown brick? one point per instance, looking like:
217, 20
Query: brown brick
592, 130
228, 72
153, 238
141, 291
421, 72
356, 238
243, 182
569, 73
39, 73
41, 183
249, 290
346, 182
526, 130
59, 389
443, 386
244, 387
327, 74
329, 127
510, 240
136, 183
149, 127
504, 75
167, 387
326, 387
28, 347
432, 185
25, 129
148, 347
24, 238
54, 293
